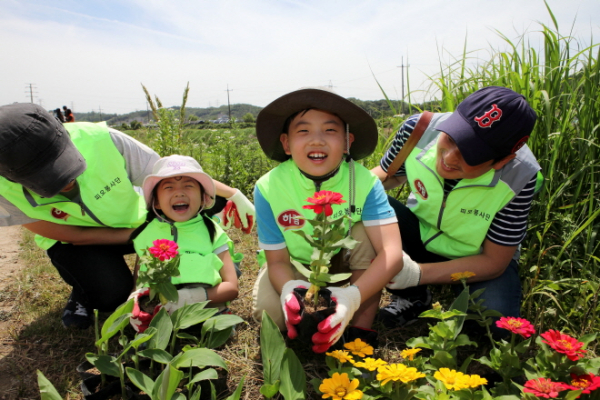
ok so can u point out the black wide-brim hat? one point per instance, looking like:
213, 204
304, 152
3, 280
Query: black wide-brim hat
271, 120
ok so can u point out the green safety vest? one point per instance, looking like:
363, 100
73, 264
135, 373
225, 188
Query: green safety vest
456, 225
286, 189
107, 194
197, 262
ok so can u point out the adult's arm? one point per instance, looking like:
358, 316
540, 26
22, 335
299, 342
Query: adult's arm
80, 235
489, 264
392, 182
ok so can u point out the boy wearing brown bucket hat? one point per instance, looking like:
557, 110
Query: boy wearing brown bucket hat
73, 185
316, 135
472, 180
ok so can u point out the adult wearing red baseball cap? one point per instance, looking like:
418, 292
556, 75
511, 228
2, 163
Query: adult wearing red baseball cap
472, 179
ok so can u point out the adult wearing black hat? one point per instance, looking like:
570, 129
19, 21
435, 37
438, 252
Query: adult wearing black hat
472, 180
73, 185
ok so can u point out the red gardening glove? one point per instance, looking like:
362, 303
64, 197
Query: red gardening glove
330, 330
140, 320
292, 294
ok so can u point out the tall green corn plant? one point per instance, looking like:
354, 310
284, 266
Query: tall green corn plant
169, 137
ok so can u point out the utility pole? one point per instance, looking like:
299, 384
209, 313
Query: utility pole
228, 104
402, 72
100, 109
29, 88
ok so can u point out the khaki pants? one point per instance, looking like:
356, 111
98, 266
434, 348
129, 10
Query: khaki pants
265, 297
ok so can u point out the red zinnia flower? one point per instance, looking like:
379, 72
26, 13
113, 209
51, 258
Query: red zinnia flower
586, 383
544, 387
323, 200
520, 326
163, 249
564, 344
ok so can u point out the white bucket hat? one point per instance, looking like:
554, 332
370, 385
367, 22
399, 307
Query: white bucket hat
176, 165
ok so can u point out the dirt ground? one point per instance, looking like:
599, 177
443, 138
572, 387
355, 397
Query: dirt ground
10, 265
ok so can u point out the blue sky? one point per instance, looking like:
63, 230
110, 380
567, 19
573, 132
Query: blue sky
94, 55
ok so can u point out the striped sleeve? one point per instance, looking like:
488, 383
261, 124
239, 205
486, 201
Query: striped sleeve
401, 137
509, 226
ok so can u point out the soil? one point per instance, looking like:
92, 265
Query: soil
10, 266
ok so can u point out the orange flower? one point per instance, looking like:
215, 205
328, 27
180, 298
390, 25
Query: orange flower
457, 276
564, 344
520, 326
543, 387
163, 249
322, 201
359, 348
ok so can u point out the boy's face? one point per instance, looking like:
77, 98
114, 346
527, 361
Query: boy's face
316, 140
179, 198
451, 165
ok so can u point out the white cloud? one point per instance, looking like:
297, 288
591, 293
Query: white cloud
95, 54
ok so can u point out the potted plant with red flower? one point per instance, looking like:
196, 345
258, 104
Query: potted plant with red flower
328, 237
159, 263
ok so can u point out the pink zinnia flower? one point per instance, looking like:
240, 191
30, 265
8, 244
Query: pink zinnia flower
564, 344
544, 387
323, 200
586, 383
520, 326
163, 249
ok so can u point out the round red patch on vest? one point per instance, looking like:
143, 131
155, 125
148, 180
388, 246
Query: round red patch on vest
420, 187
58, 214
290, 219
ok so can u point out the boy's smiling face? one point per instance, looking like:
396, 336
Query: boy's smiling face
179, 198
316, 140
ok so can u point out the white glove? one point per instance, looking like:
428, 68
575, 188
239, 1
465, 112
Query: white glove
409, 276
187, 296
245, 210
331, 328
292, 304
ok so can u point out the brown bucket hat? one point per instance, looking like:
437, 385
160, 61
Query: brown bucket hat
36, 150
271, 120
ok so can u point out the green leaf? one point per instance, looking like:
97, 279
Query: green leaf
293, 377
168, 290
198, 357
207, 374
215, 338
272, 347
335, 277
106, 364
224, 321
238, 391
166, 384
158, 355
270, 390
140, 380
143, 337
47, 389
115, 322
164, 328
301, 268
191, 315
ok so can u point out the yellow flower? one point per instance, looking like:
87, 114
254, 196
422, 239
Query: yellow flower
458, 276
397, 372
475, 380
409, 353
342, 356
359, 348
453, 380
339, 387
370, 364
